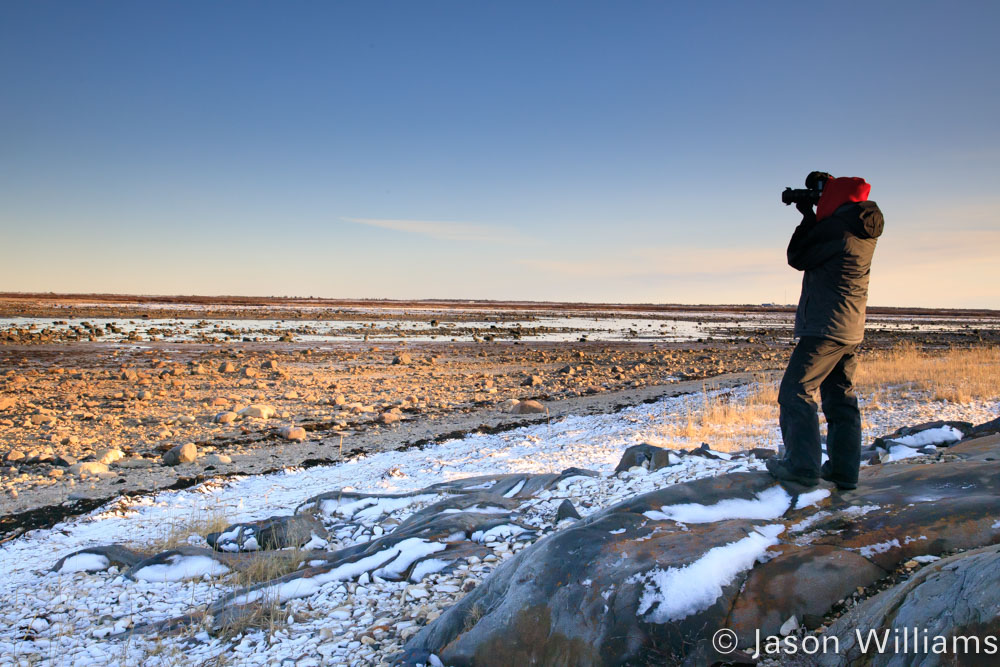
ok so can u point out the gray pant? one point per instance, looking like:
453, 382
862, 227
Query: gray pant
827, 366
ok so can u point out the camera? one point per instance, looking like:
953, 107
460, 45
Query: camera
812, 192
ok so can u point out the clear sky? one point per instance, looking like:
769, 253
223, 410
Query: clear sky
585, 151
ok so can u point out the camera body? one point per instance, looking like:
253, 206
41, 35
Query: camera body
811, 193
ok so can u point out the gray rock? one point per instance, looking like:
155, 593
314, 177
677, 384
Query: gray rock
574, 597
227, 417
986, 428
114, 554
276, 532
186, 453
566, 511
64, 460
884, 441
647, 455
954, 597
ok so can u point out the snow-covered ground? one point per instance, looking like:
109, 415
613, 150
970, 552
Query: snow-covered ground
73, 617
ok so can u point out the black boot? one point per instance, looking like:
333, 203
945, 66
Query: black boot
781, 471
826, 472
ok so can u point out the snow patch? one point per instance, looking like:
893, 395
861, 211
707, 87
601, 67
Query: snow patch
926, 559
811, 498
860, 510
879, 548
676, 593
770, 503
498, 532
932, 436
425, 567
85, 562
514, 491
179, 568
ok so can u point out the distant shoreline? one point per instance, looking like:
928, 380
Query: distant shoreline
13, 303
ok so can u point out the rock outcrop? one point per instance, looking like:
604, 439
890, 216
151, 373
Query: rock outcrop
652, 579
946, 613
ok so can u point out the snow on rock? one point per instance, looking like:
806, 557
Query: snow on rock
676, 593
768, 504
85, 562
179, 567
811, 498
932, 436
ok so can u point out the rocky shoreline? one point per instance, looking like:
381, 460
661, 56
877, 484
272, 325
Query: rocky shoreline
86, 422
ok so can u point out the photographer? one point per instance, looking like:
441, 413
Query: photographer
833, 246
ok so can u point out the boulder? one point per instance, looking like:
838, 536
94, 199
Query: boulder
296, 433
109, 456
647, 456
390, 417
566, 511
227, 417
258, 411
276, 532
87, 468
528, 407
64, 460
186, 453
956, 597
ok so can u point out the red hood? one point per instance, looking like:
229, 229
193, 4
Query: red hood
839, 191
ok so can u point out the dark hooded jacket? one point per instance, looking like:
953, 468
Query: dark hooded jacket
835, 252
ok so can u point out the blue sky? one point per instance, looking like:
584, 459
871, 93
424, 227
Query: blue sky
613, 151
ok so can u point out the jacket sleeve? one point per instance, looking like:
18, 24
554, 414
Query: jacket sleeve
813, 243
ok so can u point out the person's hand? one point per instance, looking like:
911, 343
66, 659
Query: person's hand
805, 208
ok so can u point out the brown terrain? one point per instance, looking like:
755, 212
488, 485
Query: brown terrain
82, 420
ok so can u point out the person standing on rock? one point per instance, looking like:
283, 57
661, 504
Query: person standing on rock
833, 246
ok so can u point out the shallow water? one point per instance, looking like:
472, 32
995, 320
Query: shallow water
680, 327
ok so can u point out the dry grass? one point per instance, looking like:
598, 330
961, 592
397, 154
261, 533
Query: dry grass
728, 423
957, 375
267, 613
176, 532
